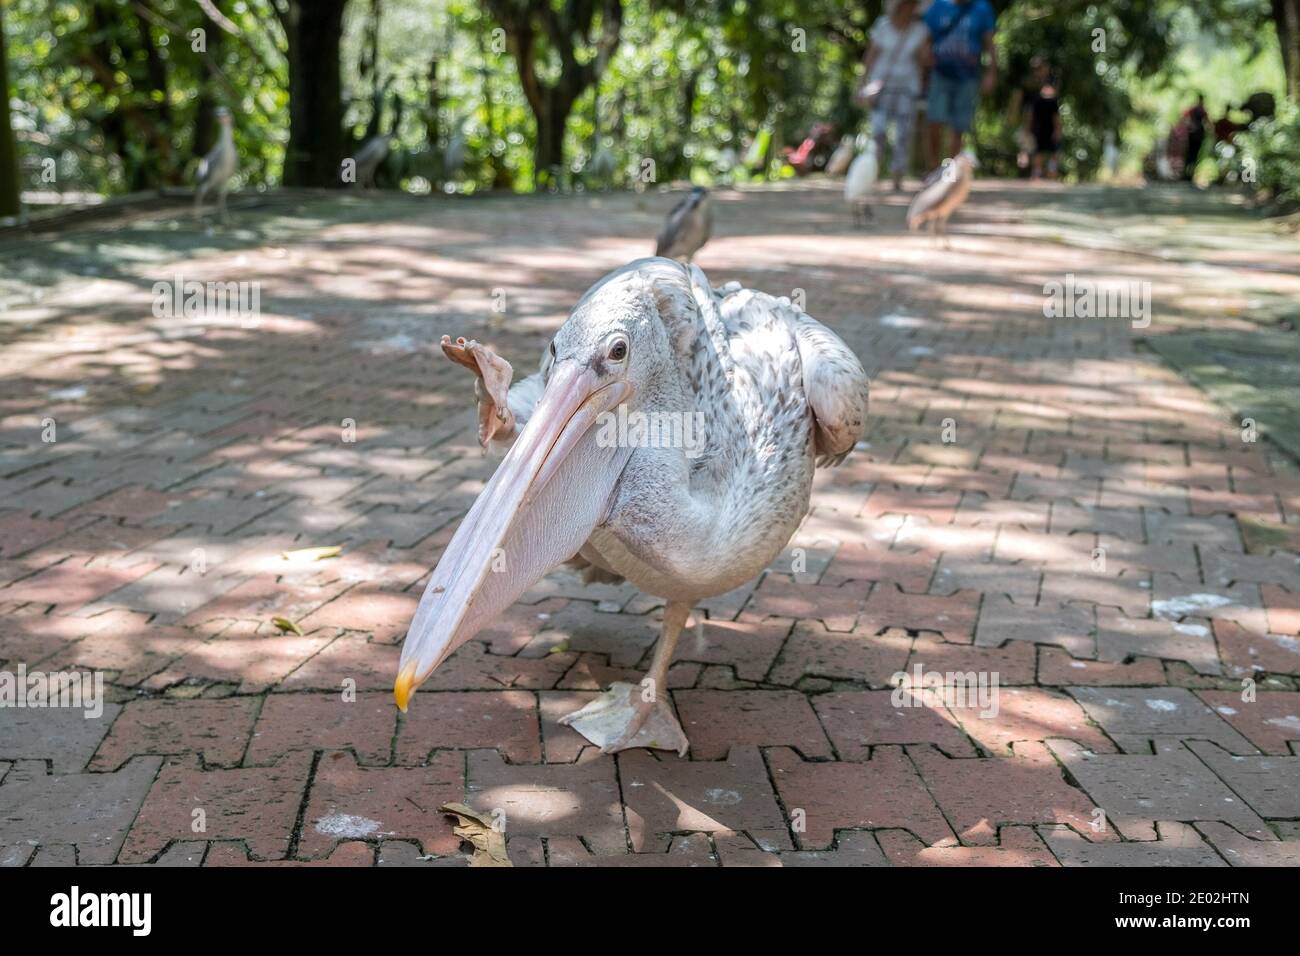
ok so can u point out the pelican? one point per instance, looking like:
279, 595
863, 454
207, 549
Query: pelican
218, 167
838, 164
777, 394
942, 192
857, 184
688, 226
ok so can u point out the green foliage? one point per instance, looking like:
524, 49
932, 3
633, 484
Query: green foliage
1273, 147
111, 90
712, 90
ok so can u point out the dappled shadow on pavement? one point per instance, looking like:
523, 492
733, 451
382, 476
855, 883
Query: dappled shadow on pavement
1037, 500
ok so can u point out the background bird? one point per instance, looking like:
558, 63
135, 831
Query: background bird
453, 157
688, 226
218, 167
775, 394
839, 162
943, 193
1110, 155
859, 182
375, 150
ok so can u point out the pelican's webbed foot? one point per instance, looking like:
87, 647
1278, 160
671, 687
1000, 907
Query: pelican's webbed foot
621, 719
492, 387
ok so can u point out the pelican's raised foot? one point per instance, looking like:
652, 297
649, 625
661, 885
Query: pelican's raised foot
620, 720
494, 374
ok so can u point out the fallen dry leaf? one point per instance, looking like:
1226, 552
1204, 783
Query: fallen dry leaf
286, 626
313, 554
475, 829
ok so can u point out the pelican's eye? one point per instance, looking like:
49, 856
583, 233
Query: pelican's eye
552, 348
618, 350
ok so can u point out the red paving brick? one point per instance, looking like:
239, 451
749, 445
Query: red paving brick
350, 802
149, 551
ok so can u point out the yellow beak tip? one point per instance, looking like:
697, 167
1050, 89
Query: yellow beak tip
404, 687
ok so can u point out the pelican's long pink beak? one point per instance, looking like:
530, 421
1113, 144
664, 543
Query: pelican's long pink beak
552, 488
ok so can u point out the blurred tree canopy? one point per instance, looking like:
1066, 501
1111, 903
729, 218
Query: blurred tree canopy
113, 96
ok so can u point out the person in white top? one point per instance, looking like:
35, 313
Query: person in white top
893, 83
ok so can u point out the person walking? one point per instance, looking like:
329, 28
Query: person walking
1043, 119
1194, 121
961, 33
893, 81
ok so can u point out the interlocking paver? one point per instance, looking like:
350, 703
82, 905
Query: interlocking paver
856, 721
883, 792
1098, 536
1178, 845
1025, 788
1019, 846
505, 721
1137, 790
573, 800
717, 720
352, 802
258, 806
89, 811
217, 730
1270, 719
1138, 718
362, 722
668, 794
65, 736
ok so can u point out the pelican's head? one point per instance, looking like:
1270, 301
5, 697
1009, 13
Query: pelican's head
968, 159
223, 115
556, 483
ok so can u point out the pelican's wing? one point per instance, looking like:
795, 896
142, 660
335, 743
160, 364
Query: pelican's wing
768, 347
836, 385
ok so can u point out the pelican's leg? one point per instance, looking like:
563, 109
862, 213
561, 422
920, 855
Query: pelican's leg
221, 201
198, 201
625, 717
495, 419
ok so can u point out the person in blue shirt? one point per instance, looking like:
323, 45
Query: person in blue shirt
961, 32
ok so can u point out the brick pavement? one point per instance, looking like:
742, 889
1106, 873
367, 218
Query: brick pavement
1038, 501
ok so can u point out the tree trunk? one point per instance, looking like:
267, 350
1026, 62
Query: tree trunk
317, 143
552, 117
205, 113
552, 102
1286, 17
10, 204
163, 171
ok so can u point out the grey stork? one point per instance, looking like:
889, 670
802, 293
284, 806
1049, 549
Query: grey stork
218, 167
941, 194
688, 226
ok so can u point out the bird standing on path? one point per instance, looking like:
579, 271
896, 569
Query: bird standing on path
374, 151
688, 227
859, 182
771, 394
941, 194
218, 167
839, 162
